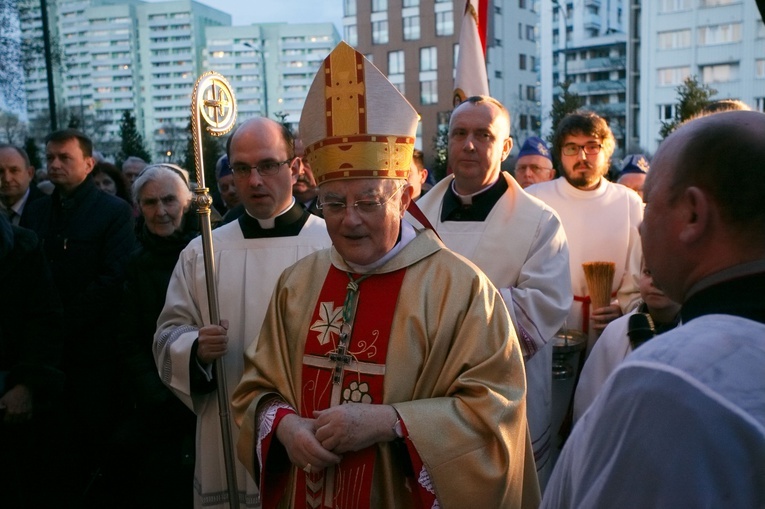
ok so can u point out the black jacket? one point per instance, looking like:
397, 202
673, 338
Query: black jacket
30, 343
87, 238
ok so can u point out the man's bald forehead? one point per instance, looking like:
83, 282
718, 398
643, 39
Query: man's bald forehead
498, 110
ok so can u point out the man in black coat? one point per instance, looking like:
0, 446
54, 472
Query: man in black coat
17, 187
87, 236
30, 383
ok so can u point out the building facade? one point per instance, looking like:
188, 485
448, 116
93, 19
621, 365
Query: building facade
415, 44
141, 57
721, 42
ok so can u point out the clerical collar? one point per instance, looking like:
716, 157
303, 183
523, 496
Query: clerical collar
286, 224
406, 234
733, 291
474, 207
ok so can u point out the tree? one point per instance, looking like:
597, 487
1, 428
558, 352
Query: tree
211, 152
33, 151
12, 128
132, 141
441, 151
11, 71
692, 98
564, 104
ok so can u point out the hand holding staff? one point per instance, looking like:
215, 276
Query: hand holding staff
213, 100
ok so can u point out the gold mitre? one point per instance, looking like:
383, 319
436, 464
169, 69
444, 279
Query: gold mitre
355, 123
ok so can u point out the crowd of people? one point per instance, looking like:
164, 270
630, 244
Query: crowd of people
387, 342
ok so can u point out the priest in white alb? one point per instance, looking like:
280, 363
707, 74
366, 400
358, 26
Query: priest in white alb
387, 372
482, 213
250, 253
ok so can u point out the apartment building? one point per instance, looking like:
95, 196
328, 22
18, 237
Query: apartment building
270, 66
721, 42
415, 44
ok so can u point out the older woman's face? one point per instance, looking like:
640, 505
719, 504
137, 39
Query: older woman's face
161, 207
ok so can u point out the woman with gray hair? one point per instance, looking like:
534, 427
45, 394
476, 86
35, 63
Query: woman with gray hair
155, 444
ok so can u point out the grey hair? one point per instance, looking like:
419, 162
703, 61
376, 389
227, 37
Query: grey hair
155, 172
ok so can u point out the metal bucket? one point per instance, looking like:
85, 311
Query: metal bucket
568, 346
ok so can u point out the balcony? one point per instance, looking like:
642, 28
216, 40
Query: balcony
591, 21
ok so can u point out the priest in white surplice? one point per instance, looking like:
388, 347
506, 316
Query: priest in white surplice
483, 214
681, 422
600, 218
250, 253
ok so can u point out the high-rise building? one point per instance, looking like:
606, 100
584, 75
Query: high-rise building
118, 55
130, 55
283, 57
585, 43
721, 42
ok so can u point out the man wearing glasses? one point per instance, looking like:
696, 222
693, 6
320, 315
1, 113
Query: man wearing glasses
600, 218
250, 253
387, 373
518, 241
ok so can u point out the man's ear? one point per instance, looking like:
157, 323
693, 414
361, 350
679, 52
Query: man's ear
697, 209
507, 146
406, 198
295, 166
90, 162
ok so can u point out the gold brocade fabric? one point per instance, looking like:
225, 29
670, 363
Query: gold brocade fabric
454, 373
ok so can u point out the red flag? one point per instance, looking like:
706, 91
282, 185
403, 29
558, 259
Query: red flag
471, 78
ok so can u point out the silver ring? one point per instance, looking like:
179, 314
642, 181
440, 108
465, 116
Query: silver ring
307, 468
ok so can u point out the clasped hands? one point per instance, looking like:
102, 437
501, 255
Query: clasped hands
315, 444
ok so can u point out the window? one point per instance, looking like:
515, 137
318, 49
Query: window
411, 28
759, 104
674, 5
351, 35
380, 32
428, 59
667, 112
760, 68
396, 62
411, 3
379, 5
672, 76
719, 73
521, 4
531, 93
523, 122
530, 33
522, 62
719, 34
715, 3
429, 92
520, 30
396, 69
675, 39
445, 23
533, 64
349, 7
498, 74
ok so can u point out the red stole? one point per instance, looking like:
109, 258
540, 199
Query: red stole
335, 373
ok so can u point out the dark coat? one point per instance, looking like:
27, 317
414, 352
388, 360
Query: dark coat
148, 275
34, 195
87, 239
30, 344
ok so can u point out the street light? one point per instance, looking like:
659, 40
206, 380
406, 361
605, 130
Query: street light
265, 81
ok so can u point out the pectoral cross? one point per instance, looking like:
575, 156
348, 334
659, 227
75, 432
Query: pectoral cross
341, 358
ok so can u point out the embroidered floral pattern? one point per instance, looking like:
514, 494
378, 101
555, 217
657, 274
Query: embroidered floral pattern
329, 322
427, 484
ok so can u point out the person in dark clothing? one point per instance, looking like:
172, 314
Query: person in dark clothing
87, 237
154, 446
17, 186
30, 350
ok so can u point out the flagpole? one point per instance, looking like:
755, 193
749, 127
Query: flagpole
213, 101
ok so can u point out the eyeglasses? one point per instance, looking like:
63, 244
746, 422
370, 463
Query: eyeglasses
264, 169
533, 167
590, 149
365, 207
